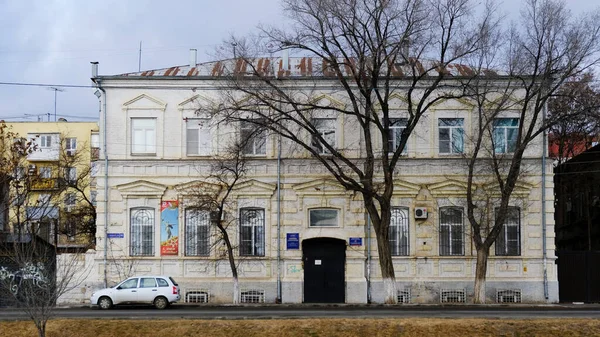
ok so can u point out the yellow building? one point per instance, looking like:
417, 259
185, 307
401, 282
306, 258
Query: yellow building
56, 198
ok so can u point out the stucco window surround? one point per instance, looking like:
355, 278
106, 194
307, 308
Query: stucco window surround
142, 194
144, 120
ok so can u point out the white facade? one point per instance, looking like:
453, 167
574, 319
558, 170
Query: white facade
152, 159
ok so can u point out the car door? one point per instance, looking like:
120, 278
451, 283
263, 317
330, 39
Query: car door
147, 290
127, 291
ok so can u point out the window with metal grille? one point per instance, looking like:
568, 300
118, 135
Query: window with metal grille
453, 296
198, 138
325, 134
508, 296
252, 232
451, 231
252, 296
142, 232
508, 242
253, 137
197, 232
397, 126
403, 296
196, 296
450, 132
398, 235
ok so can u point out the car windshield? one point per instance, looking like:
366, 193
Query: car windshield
172, 280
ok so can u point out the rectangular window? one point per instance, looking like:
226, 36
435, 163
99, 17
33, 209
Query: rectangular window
198, 139
451, 231
70, 175
253, 137
397, 126
252, 232
399, 232
326, 129
451, 135
323, 217
45, 172
508, 242
505, 134
142, 232
71, 144
197, 231
143, 135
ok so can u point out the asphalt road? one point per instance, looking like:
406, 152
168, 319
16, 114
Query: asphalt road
283, 311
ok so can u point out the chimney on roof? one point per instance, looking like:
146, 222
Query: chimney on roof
193, 55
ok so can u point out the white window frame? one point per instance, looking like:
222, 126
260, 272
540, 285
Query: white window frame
197, 232
502, 131
452, 237
148, 133
203, 145
252, 232
325, 132
256, 145
399, 234
452, 131
312, 219
511, 222
395, 134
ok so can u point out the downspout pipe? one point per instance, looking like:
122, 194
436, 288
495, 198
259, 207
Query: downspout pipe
102, 104
544, 243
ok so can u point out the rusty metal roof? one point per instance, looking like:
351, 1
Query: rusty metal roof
298, 67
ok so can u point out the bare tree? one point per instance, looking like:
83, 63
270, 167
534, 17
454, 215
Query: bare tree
363, 55
546, 50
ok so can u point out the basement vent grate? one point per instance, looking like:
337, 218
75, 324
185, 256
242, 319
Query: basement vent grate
252, 296
453, 296
196, 296
403, 296
508, 296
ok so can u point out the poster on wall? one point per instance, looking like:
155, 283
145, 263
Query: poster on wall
169, 227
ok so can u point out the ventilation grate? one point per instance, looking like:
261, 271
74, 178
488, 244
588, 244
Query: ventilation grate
508, 296
453, 296
252, 296
403, 296
196, 296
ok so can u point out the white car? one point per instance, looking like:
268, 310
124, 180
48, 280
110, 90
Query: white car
157, 290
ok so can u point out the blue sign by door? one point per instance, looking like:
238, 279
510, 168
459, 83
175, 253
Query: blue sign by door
293, 240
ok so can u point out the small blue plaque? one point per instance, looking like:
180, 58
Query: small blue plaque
115, 235
355, 241
293, 240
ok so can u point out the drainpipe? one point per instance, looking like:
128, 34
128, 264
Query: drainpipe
279, 220
544, 153
368, 258
102, 104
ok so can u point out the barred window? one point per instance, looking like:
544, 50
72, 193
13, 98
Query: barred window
252, 232
398, 235
508, 242
197, 232
451, 231
142, 232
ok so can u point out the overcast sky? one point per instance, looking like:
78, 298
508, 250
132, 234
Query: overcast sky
54, 41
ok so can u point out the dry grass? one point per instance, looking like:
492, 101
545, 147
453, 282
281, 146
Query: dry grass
412, 327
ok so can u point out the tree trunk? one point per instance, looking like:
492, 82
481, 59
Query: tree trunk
480, 271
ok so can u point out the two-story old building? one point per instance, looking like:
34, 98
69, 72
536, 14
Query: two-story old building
313, 238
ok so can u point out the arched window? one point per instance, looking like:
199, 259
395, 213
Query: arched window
197, 232
398, 235
142, 232
252, 232
452, 238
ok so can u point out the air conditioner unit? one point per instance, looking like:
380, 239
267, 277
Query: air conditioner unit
421, 213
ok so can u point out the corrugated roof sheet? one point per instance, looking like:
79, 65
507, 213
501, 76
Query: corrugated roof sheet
299, 67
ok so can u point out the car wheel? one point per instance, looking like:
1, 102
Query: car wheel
161, 303
105, 302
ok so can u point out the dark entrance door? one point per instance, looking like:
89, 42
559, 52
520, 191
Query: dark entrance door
324, 268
